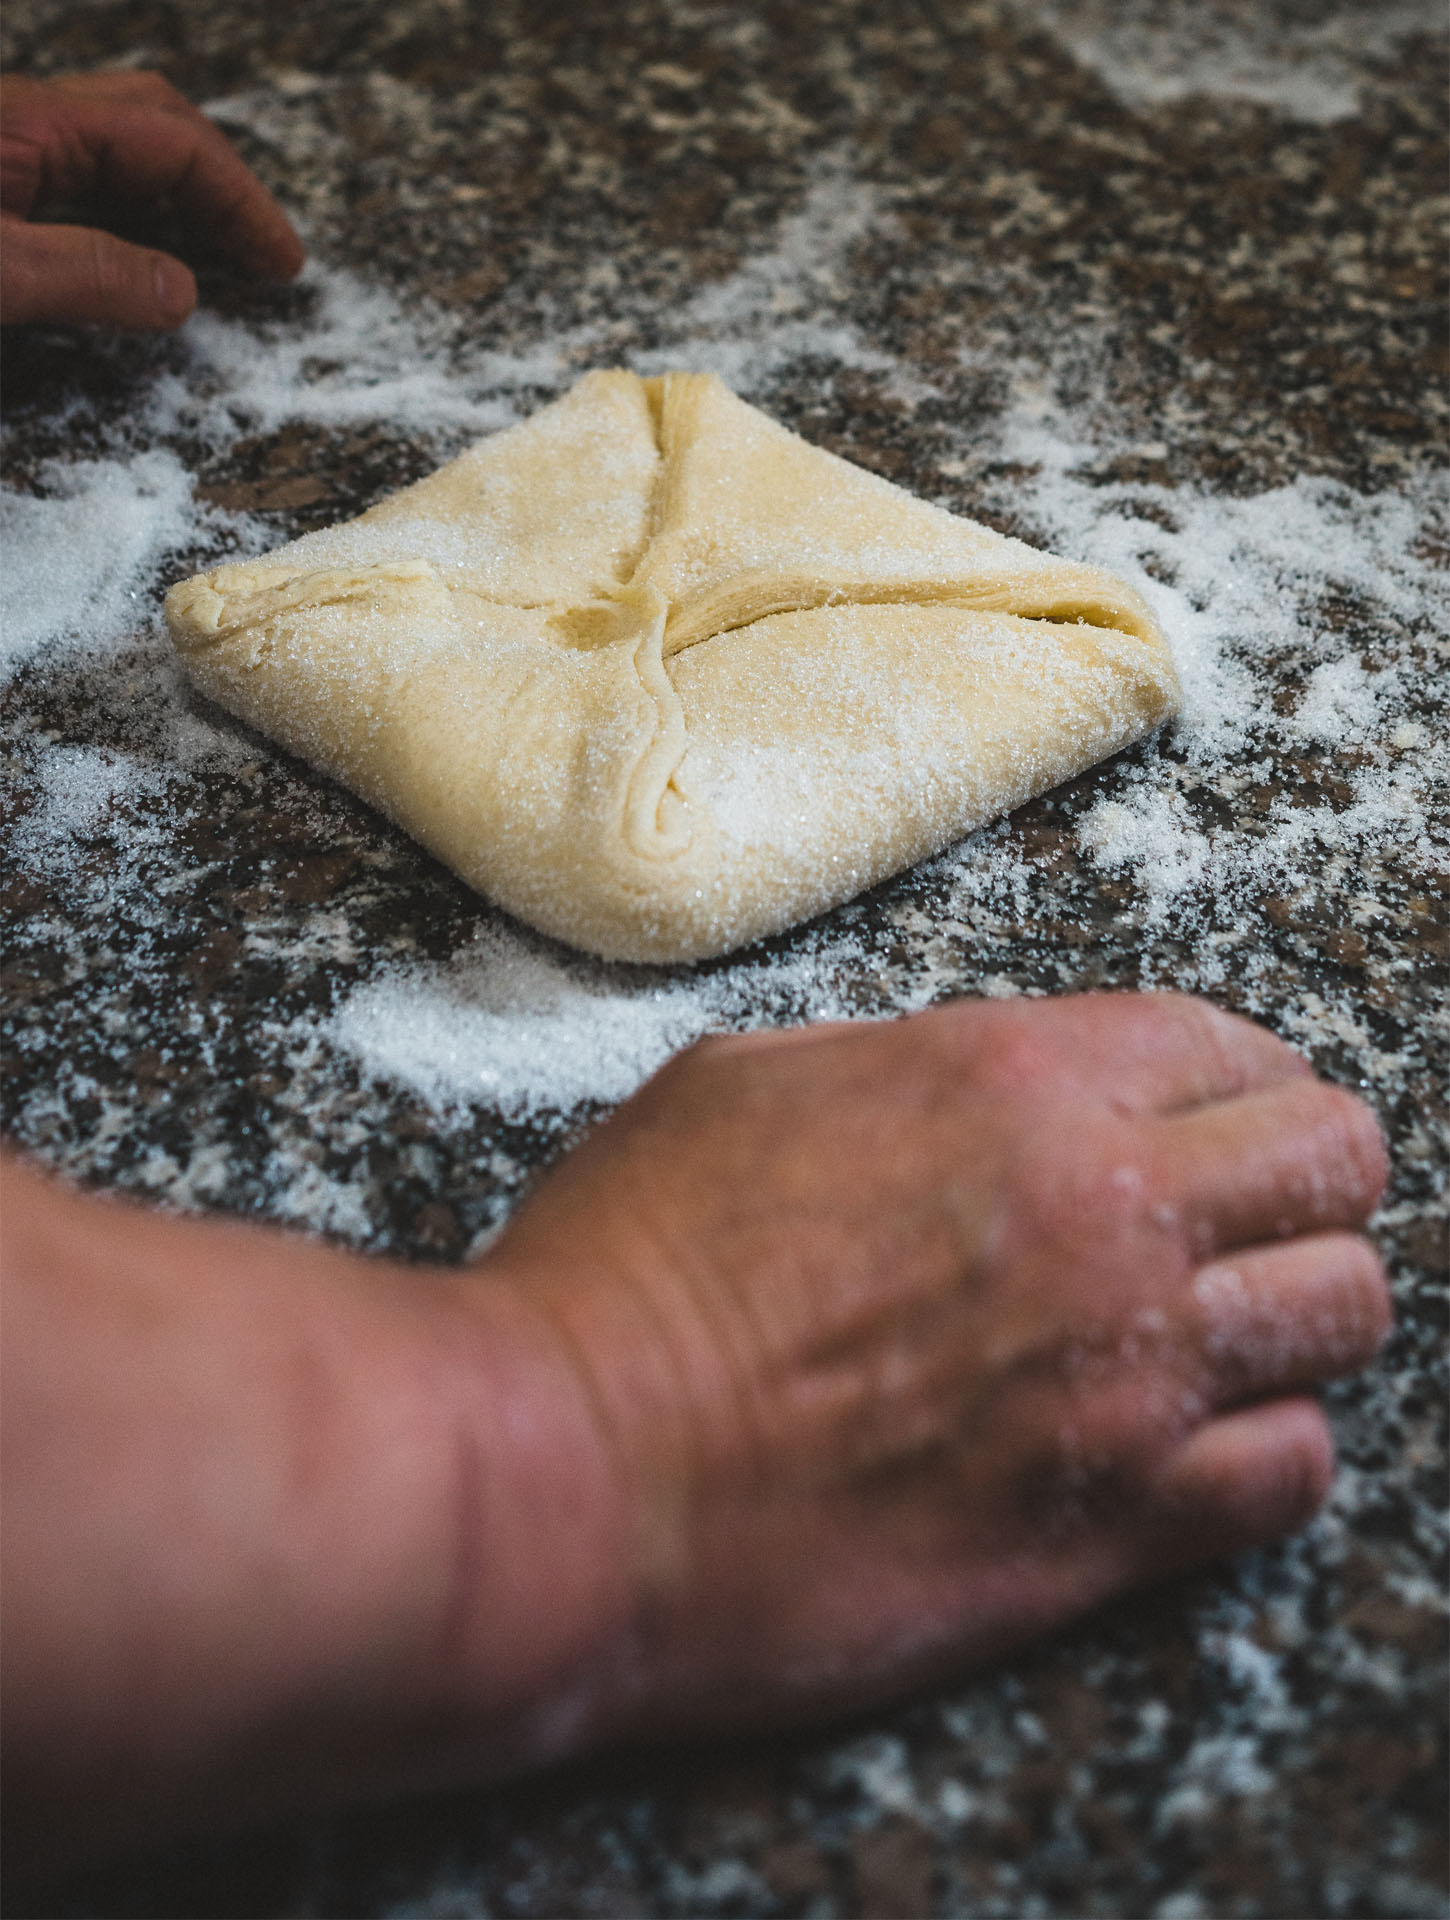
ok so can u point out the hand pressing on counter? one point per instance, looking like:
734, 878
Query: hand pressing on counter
836, 1361
121, 139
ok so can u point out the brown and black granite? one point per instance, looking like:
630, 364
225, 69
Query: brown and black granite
1265, 295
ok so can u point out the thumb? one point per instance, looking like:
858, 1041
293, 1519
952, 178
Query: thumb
79, 273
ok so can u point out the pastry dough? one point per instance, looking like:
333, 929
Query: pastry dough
659, 677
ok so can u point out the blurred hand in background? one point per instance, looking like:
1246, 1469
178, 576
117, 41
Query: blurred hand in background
121, 143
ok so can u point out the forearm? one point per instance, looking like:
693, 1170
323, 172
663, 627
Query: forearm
280, 1523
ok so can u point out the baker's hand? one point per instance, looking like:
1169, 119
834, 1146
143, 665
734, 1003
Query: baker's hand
834, 1360
908, 1342
121, 138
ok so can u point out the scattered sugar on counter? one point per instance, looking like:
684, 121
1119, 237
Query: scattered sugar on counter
81, 558
1158, 52
1239, 584
84, 792
514, 1022
1241, 587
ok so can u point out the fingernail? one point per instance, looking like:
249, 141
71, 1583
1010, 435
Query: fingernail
175, 290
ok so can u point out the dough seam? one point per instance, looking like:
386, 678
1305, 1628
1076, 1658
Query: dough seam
647, 832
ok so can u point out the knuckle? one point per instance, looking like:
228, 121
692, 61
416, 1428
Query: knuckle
1170, 1005
1006, 1048
1084, 1191
1237, 1045
709, 1052
1099, 1464
707, 1058
108, 268
1021, 1058
153, 86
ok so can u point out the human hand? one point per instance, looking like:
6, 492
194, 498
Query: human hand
909, 1342
123, 137
836, 1360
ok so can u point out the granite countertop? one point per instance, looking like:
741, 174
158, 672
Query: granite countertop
1160, 284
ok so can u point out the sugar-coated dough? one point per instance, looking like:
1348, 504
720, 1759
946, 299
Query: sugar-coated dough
659, 677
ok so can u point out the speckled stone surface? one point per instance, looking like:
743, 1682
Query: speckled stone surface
1237, 206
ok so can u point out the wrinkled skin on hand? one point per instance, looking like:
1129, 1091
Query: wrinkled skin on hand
909, 1342
121, 138
834, 1361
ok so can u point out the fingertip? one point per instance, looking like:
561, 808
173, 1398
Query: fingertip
67, 275
1382, 1306
1288, 1458
175, 290
1367, 1313
1370, 1151
290, 255
271, 247
1250, 1477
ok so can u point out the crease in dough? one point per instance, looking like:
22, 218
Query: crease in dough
661, 678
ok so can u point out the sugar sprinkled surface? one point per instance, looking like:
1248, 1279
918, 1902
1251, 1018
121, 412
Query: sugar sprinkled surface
483, 1025
1148, 1737
1298, 62
81, 556
1250, 590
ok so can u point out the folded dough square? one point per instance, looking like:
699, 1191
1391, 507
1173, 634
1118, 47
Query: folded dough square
659, 677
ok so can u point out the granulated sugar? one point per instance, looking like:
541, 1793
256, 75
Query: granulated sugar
512, 1022
82, 789
1248, 591
81, 560
1151, 53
